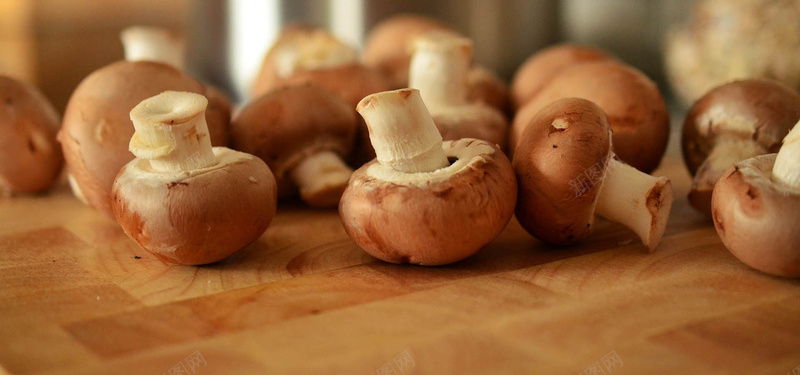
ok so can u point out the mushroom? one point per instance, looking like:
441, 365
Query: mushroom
567, 172
439, 70
182, 200
634, 106
302, 133
424, 201
756, 209
539, 69
305, 54
734, 122
96, 126
30, 160
484, 86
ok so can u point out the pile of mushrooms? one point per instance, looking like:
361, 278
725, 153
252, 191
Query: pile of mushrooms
424, 201
181, 199
30, 160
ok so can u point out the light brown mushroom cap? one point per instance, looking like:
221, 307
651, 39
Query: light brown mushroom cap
551, 159
484, 86
351, 82
635, 108
96, 126
757, 219
289, 124
539, 69
478, 121
30, 160
435, 217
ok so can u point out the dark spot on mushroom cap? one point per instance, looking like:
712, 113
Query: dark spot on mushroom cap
554, 146
176, 183
751, 193
31, 145
137, 257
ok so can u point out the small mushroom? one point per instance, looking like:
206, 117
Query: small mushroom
756, 209
182, 200
96, 126
30, 160
567, 172
635, 108
439, 70
424, 201
302, 133
537, 71
734, 122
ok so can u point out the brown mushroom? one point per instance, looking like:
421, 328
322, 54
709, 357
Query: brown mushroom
424, 201
30, 160
484, 86
302, 133
539, 69
567, 172
734, 122
756, 209
439, 70
634, 106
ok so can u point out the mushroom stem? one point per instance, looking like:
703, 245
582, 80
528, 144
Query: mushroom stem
786, 169
157, 44
636, 200
321, 178
728, 150
171, 132
402, 131
439, 69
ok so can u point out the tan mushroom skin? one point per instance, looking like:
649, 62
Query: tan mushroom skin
424, 201
182, 200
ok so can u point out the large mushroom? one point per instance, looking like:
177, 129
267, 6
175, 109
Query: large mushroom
424, 201
182, 200
96, 126
567, 173
635, 108
734, 122
30, 159
756, 209
303, 133
439, 70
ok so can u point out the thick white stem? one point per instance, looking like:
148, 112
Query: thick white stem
439, 69
171, 132
157, 44
636, 200
787, 163
402, 131
321, 178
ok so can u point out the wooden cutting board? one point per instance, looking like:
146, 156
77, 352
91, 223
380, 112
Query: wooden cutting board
78, 297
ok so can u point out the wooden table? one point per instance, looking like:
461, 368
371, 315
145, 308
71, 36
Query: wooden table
78, 297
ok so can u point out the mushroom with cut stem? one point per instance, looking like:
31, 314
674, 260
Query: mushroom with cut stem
756, 209
30, 159
439, 70
302, 133
424, 201
734, 122
182, 200
567, 172
96, 127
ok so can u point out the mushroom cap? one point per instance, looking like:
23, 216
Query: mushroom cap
351, 82
539, 69
564, 140
431, 218
97, 128
635, 108
757, 217
388, 46
478, 121
289, 124
198, 217
484, 86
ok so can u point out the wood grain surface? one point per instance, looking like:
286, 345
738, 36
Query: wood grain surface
78, 297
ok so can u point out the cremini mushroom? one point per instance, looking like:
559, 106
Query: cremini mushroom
734, 122
534, 74
303, 133
439, 70
635, 108
756, 209
182, 200
424, 201
30, 159
96, 127
567, 172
